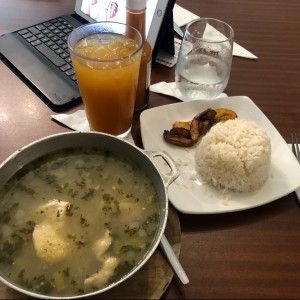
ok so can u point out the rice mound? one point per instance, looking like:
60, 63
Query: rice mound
235, 155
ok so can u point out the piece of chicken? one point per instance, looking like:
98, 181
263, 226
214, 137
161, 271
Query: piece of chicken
48, 244
108, 264
48, 241
101, 245
101, 278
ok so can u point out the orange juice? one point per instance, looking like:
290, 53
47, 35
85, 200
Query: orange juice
107, 75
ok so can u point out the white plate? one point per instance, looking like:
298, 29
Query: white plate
188, 193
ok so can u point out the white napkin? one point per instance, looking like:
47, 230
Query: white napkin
78, 122
182, 16
170, 89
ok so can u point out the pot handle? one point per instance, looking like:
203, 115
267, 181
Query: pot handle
174, 171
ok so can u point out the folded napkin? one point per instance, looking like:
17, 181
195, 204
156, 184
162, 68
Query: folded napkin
182, 17
78, 122
170, 89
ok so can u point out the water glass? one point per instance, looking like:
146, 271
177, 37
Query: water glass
204, 60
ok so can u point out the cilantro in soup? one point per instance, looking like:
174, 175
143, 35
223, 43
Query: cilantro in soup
74, 221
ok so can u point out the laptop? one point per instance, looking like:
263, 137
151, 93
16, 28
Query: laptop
39, 54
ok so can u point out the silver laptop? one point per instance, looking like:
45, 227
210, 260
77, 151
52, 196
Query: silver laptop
39, 54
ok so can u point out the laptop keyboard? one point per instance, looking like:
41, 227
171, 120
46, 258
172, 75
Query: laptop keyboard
50, 38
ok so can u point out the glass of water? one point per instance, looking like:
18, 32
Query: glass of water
204, 60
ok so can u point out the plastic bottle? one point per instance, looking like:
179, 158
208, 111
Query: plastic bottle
136, 17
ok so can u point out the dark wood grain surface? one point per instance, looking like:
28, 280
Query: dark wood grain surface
252, 254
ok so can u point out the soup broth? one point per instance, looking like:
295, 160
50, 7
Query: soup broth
74, 221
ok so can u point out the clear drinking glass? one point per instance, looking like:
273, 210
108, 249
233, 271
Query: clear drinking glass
106, 58
204, 60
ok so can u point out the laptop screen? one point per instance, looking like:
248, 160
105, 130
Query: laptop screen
115, 10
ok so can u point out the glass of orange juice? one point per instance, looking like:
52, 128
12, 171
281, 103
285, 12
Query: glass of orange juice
106, 59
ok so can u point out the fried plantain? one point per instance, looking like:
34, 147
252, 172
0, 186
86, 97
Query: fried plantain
224, 114
177, 139
183, 124
194, 130
187, 133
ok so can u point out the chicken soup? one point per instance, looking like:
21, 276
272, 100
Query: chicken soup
74, 221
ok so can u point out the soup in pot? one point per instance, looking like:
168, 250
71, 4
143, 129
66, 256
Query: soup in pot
75, 221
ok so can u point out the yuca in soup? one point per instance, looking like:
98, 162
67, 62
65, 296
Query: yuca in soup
74, 221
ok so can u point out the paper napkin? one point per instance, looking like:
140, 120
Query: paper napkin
170, 89
78, 122
182, 17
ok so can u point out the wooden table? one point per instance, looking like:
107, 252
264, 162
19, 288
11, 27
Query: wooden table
252, 254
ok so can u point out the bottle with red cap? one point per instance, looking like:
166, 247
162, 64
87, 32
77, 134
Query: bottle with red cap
136, 17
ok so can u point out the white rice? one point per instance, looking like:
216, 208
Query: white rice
235, 155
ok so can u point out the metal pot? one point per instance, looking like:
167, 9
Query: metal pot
143, 159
